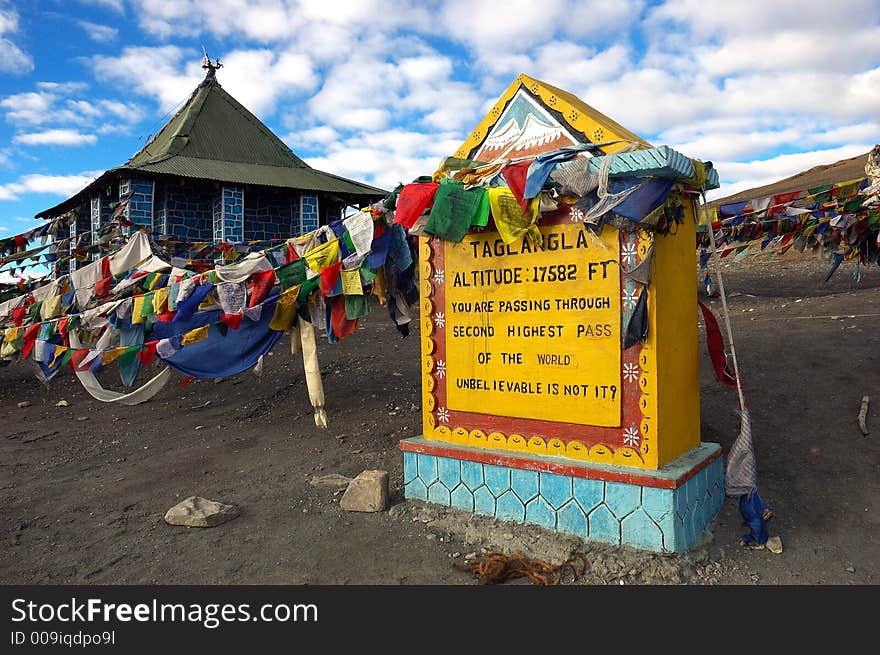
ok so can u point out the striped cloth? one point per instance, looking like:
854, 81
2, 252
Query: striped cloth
741, 477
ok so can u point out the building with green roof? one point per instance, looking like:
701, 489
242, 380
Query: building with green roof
214, 172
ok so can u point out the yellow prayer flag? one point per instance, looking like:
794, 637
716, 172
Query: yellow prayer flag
194, 336
110, 356
379, 288
160, 300
285, 310
510, 220
59, 351
323, 256
351, 282
136, 309
51, 308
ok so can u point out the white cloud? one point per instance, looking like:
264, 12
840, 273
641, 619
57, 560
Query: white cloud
258, 79
56, 185
316, 136
98, 32
389, 157
13, 59
115, 5
30, 107
56, 137
63, 88
167, 73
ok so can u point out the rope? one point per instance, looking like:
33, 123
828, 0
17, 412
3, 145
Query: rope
717, 260
495, 568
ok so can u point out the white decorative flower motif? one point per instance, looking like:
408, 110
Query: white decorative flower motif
439, 319
439, 276
441, 368
630, 372
630, 298
628, 250
575, 215
443, 415
631, 436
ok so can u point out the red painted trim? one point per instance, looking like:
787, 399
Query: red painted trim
540, 464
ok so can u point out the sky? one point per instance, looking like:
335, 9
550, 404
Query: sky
382, 90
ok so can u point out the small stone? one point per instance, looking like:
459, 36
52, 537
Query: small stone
507, 535
331, 481
774, 545
368, 492
24, 403
200, 512
82, 418
62, 403
850, 569
200, 427
456, 554
471, 556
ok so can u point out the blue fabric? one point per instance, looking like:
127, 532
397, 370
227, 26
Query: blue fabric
836, 258
752, 509
379, 252
398, 249
641, 202
543, 165
339, 230
49, 372
130, 335
220, 356
186, 308
732, 209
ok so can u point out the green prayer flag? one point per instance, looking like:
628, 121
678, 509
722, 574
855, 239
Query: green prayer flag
126, 358
292, 274
455, 208
356, 307
308, 287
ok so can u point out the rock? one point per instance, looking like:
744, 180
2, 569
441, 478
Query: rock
368, 492
331, 480
850, 569
24, 403
200, 512
774, 545
62, 403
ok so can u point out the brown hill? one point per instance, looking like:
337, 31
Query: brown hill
841, 171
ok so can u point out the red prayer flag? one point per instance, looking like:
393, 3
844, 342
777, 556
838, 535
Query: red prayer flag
290, 255
262, 283
342, 326
231, 320
329, 275
516, 174
148, 353
715, 344
18, 315
102, 287
30, 338
412, 201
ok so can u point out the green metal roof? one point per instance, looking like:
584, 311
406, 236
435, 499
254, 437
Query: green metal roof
213, 137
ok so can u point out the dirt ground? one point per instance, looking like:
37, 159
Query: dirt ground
83, 488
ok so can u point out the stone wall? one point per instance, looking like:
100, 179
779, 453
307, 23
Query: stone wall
188, 211
269, 214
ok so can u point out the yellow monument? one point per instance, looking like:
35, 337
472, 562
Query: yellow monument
560, 366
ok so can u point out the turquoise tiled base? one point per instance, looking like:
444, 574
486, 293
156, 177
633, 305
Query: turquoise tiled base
647, 517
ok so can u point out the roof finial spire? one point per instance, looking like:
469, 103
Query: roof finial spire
209, 67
